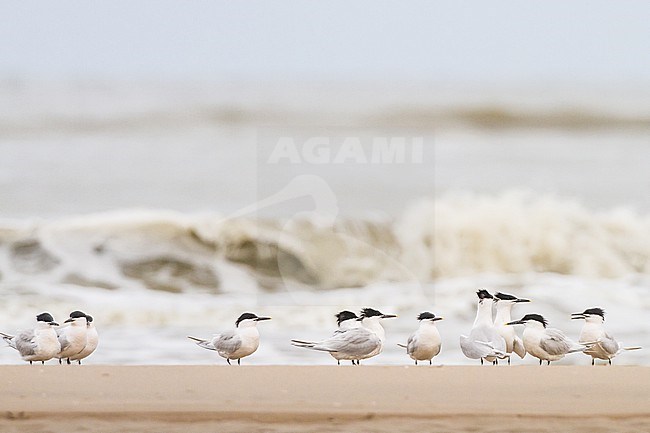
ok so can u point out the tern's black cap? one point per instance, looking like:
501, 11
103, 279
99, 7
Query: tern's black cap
505, 297
45, 317
245, 316
345, 315
483, 294
77, 314
370, 312
426, 315
536, 317
595, 311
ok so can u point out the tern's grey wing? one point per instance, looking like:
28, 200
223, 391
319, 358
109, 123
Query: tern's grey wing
609, 345
472, 349
355, 341
227, 343
412, 344
24, 343
554, 342
518, 347
63, 339
488, 335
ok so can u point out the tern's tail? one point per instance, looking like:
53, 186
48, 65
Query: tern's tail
627, 349
584, 346
9, 339
311, 345
202, 343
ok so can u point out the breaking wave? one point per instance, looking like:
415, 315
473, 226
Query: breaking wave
455, 235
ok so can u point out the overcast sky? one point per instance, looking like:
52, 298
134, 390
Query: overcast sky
477, 41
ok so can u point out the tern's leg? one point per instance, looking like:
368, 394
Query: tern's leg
69, 361
610, 361
481, 361
338, 362
80, 362
354, 363
508, 360
430, 363
42, 362
540, 362
239, 361
59, 361
416, 362
548, 362
30, 362
495, 362
593, 361
228, 359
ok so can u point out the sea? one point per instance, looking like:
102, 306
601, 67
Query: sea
167, 209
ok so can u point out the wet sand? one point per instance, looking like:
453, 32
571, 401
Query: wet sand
192, 399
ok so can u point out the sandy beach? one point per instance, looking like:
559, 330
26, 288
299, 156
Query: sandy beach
314, 399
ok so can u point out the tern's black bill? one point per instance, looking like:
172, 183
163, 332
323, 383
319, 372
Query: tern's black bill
388, 316
522, 300
259, 319
516, 322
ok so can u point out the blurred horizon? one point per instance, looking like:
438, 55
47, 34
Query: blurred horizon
466, 41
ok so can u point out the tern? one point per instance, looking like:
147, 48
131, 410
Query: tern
545, 344
39, 343
425, 343
236, 343
92, 340
484, 341
345, 320
73, 337
354, 343
504, 303
602, 345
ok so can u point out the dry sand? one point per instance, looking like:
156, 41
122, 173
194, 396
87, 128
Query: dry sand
192, 399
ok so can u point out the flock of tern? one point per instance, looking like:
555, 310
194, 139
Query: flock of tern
492, 337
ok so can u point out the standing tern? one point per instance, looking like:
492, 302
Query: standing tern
72, 337
504, 303
354, 343
92, 340
39, 343
236, 343
484, 341
545, 344
425, 343
602, 345
345, 320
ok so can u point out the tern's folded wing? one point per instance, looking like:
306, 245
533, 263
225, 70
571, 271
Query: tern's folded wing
411, 344
554, 342
518, 347
356, 341
472, 349
25, 343
227, 343
609, 345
